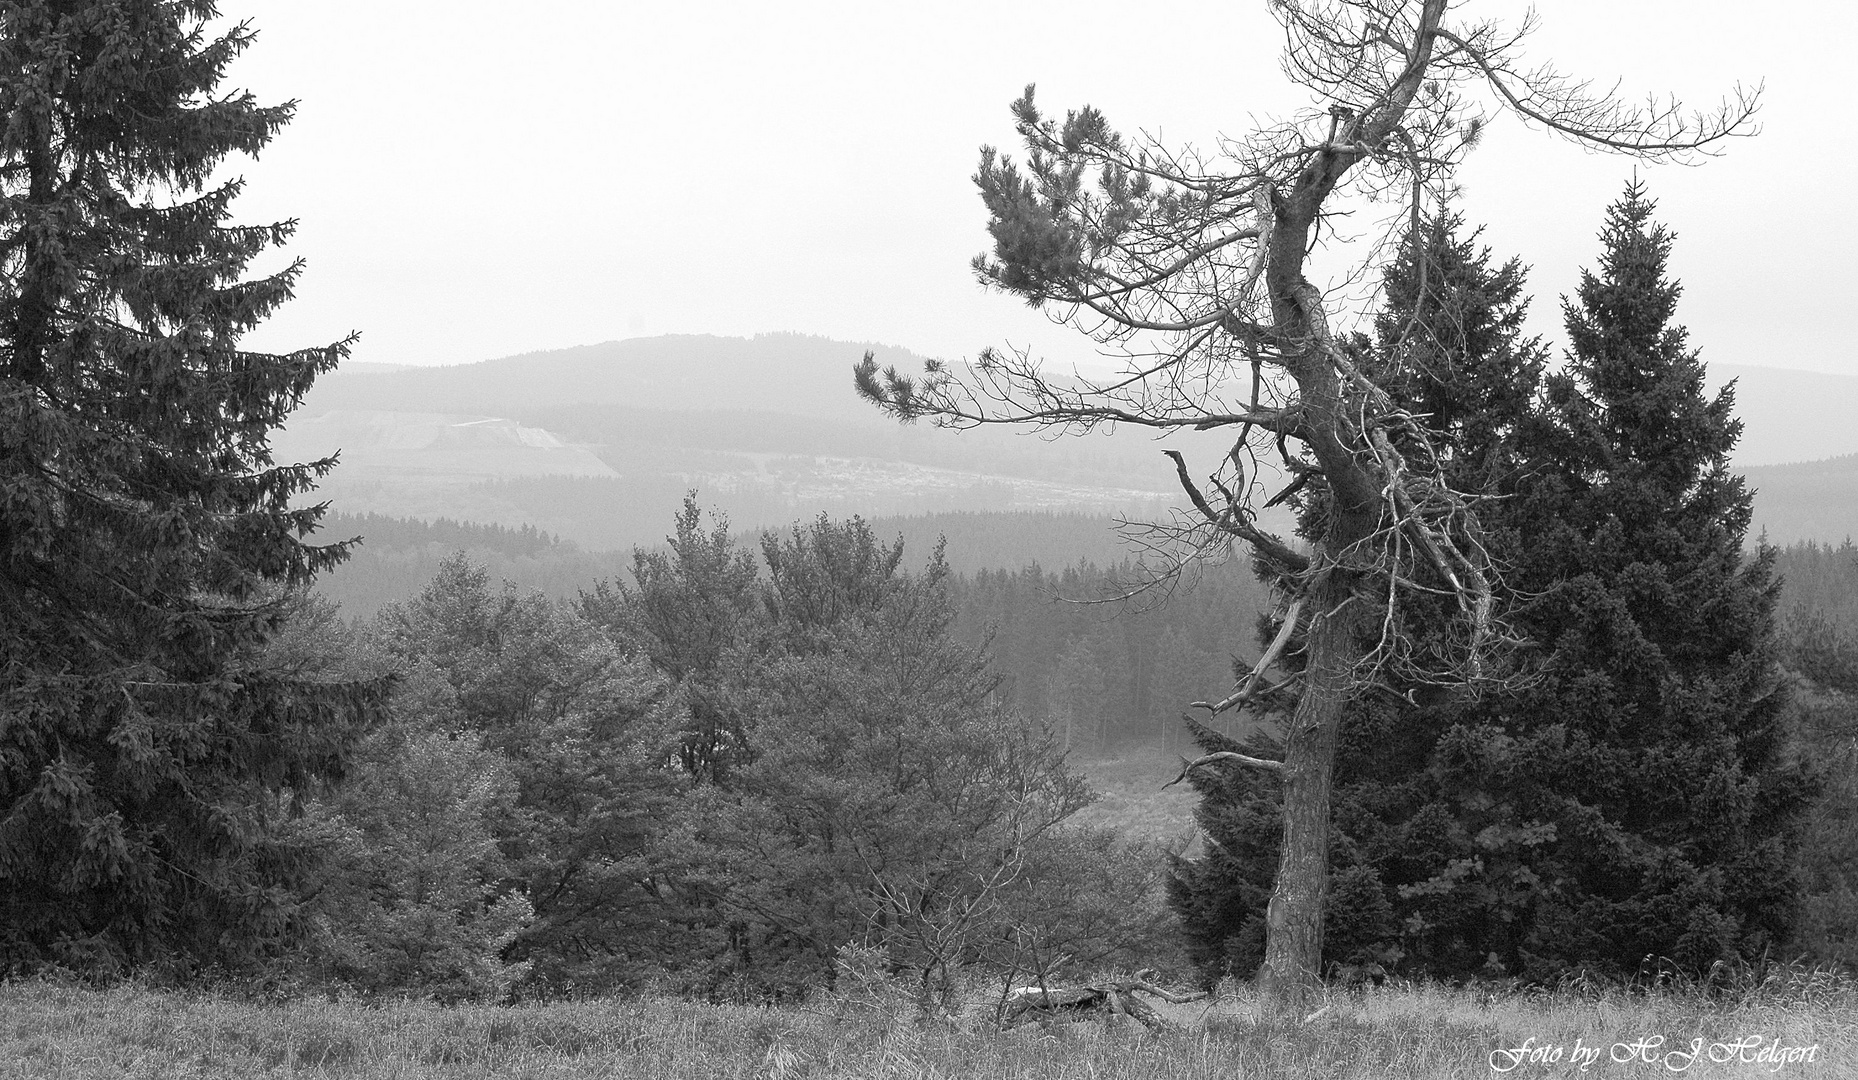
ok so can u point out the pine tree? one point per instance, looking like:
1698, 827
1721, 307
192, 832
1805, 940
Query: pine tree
145, 531
577, 722
1449, 340
694, 605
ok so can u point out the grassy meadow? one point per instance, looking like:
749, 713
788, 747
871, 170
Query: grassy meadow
51, 1029
1132, 799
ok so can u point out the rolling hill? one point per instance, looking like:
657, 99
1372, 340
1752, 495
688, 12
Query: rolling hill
598, 444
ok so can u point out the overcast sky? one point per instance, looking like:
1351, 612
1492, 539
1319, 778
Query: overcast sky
476, 180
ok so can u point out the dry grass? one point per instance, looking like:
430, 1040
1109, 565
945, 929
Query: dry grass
56, 1030
1132, 800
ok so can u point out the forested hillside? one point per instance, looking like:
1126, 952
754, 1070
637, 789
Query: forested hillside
592, 444
1807, 501
1820, 578
398, 555
1039, 589
1106, 673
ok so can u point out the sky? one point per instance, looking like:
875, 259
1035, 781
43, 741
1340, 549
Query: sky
476, 180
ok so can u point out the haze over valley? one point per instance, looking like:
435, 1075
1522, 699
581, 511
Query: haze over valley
598, 445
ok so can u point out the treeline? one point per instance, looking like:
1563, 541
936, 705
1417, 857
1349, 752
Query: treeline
1108, 673
397, 556
381, 532
1819, 580
1105, 673
1038, 587
716, 777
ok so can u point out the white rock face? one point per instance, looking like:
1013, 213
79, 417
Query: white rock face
463, 447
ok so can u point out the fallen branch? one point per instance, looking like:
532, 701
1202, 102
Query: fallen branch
1106, 999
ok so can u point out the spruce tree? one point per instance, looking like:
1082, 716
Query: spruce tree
146, 535
1449, 339
1638, 786
1629, 803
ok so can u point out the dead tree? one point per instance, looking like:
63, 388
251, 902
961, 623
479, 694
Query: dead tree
1193, 270
1096, 1000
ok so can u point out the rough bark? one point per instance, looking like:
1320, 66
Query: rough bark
1294, 918
1334, 647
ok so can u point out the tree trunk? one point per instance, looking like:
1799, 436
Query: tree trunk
1294, 920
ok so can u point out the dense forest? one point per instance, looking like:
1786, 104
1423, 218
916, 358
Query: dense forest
1105, 671
1040, 589
396, 556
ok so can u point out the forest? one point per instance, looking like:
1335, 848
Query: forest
832, 728
1492, 707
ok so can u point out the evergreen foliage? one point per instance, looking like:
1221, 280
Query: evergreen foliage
398, 533
1449, 340
1819, 604
1632, 802
415, 894
1826, 724
578, 724
1638, 792
889, 795
693, 606
146, 750
856, 778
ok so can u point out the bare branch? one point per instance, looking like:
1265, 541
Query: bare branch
1657, 131
1224, 755
1253, 682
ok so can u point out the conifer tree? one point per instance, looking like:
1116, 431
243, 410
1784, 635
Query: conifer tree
1628, 805
1449, 339
886, 794
577, 723
1198, 271
1639, 785
694, 606
145, 531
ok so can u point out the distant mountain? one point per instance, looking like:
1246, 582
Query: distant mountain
774, 373
1788, 415
598, 444
438, 444
1812, 500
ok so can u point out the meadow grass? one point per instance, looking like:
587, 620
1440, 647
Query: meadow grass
51, 1029
1131, 798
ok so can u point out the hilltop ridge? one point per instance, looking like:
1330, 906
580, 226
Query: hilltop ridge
598, 443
